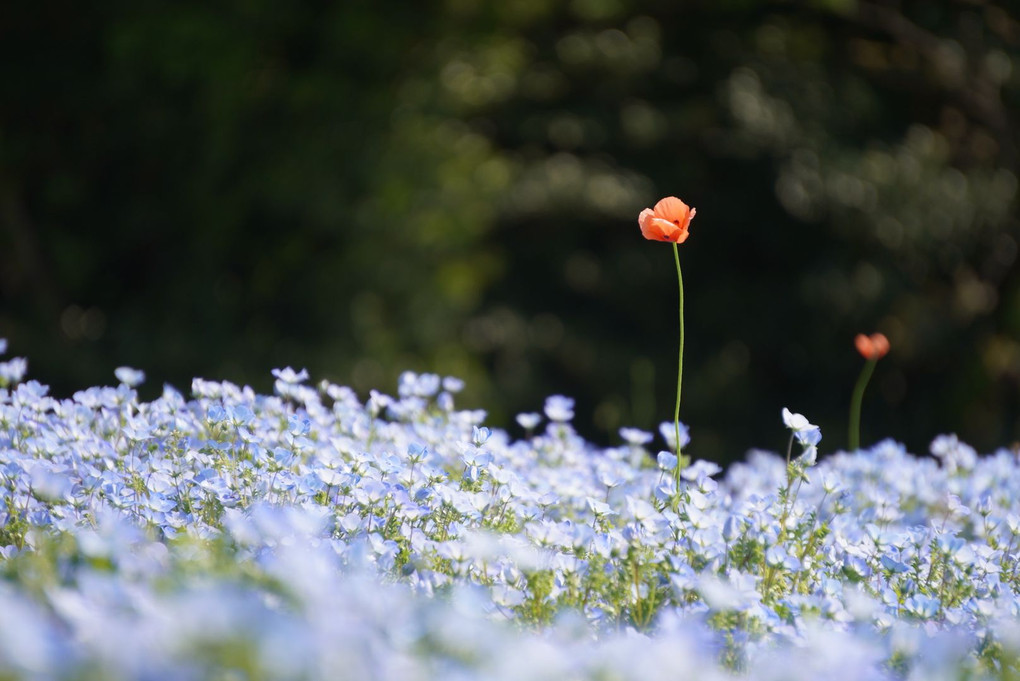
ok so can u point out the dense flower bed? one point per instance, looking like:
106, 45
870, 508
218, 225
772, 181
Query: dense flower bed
308, 535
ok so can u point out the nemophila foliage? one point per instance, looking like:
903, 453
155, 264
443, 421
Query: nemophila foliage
311, 535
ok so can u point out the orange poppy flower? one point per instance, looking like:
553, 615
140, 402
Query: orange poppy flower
875, 346
668, 221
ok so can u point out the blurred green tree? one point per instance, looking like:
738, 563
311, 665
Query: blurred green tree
361, 188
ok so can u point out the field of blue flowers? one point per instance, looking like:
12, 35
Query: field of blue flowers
310, 535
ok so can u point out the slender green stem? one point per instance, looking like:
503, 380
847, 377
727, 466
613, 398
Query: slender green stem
680, 368
855, 404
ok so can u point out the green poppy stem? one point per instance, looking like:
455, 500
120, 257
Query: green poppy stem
680, 368
855, 404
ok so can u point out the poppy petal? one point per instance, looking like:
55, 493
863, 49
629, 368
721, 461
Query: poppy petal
880, 344
669, 230
674, 210
864, 346
651, 227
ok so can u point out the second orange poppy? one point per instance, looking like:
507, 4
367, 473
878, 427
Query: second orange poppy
875, 346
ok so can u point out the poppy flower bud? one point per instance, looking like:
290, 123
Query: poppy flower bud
875, 346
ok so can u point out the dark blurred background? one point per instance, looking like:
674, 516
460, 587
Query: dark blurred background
362, 187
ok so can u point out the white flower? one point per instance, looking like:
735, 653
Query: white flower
806, 433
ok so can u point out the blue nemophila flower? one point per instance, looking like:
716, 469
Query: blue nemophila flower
452, 384
480, 435
667, 460
3, 346
473, 456
529, 421
49, 481
809, 457
668, 431
130, 377
777, 556
240, 414
796, 422
32, 396
299, 425
284, 457
138, 429
701, 472
305, 505
377, 402
806, 433
559, 408
411, 384
892, 565
288, 375
417, 452
12, 371
738, 592
954, 454
635, 436
922, 606
809, 438
216, 413
613, 473
599, 508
